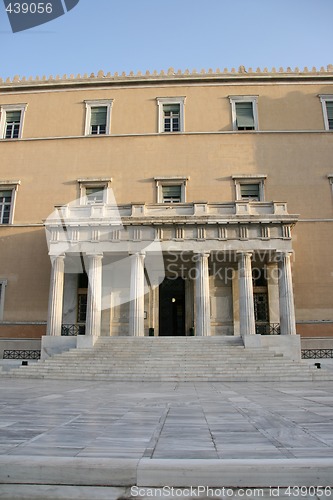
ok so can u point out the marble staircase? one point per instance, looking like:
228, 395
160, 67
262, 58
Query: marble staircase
171, 359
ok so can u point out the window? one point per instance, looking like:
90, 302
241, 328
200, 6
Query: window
172, 194
327, 104
171, 114
95, 194
98, 120
249, 187
3, 284
98, 117
7, 201
94, 191
330, 178
171, 189
250, 191
11, 122
244, 112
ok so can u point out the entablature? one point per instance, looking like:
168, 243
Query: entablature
257, 225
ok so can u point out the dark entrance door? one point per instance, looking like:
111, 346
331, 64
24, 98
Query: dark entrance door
172, 307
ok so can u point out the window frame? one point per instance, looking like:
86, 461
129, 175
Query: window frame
108, 103
164, 101
84, 184
13, 187
3, 284
258, 179
170, 181
253, 99
4, 109
324, 100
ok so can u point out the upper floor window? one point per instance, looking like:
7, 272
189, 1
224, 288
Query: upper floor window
250, 191
172, 193
7, 201
244, 112
3, 284
171, 114
98, 117
250, 187
330, 178
11, 122
171, 189
94, 191
327, 104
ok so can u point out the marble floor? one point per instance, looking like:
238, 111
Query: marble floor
166, 420
144, 430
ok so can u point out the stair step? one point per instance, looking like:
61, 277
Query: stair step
170, 359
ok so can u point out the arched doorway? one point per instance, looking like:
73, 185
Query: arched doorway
172, 307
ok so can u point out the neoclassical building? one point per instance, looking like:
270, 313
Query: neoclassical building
167, 204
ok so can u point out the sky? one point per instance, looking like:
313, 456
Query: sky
140, 35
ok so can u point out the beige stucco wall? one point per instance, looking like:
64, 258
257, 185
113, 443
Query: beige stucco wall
296, 164
61, 113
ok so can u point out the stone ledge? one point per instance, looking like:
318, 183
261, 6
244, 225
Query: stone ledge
161, 472
68, 471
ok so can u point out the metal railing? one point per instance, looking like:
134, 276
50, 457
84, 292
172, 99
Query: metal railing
21, 354
316, 353
73, 330
268, 329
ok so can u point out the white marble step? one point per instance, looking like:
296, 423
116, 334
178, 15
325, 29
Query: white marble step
170, 359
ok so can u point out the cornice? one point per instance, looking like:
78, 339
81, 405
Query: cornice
167, 77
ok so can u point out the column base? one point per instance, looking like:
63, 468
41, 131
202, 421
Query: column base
288, 345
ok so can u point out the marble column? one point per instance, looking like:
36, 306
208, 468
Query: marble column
246, 305
137, 295
54, 320
286, 295
94, 299
202, 296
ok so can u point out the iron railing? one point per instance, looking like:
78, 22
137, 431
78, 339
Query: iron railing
21, 354
316, 353
73, 330
268, 329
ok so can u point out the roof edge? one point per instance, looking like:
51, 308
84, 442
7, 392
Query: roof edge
167, 76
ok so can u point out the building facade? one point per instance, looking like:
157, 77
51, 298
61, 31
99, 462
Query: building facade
167, 204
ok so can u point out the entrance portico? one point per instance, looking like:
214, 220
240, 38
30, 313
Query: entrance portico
213, 249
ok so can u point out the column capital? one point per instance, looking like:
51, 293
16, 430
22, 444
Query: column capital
204, 253
245, 253
59, 257
141, 253
97, 255
282, 254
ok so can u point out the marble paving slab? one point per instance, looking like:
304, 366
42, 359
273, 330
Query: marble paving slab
165, 421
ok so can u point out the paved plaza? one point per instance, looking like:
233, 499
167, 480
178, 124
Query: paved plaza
156, 434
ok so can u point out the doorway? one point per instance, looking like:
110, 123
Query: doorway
172, 307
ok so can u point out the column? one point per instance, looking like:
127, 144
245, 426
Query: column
246, 306
235, 302
94, 299
137, 294
202, 295
56, 295
286, 295
273, 292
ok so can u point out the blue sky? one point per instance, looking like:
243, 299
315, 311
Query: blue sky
125, 35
